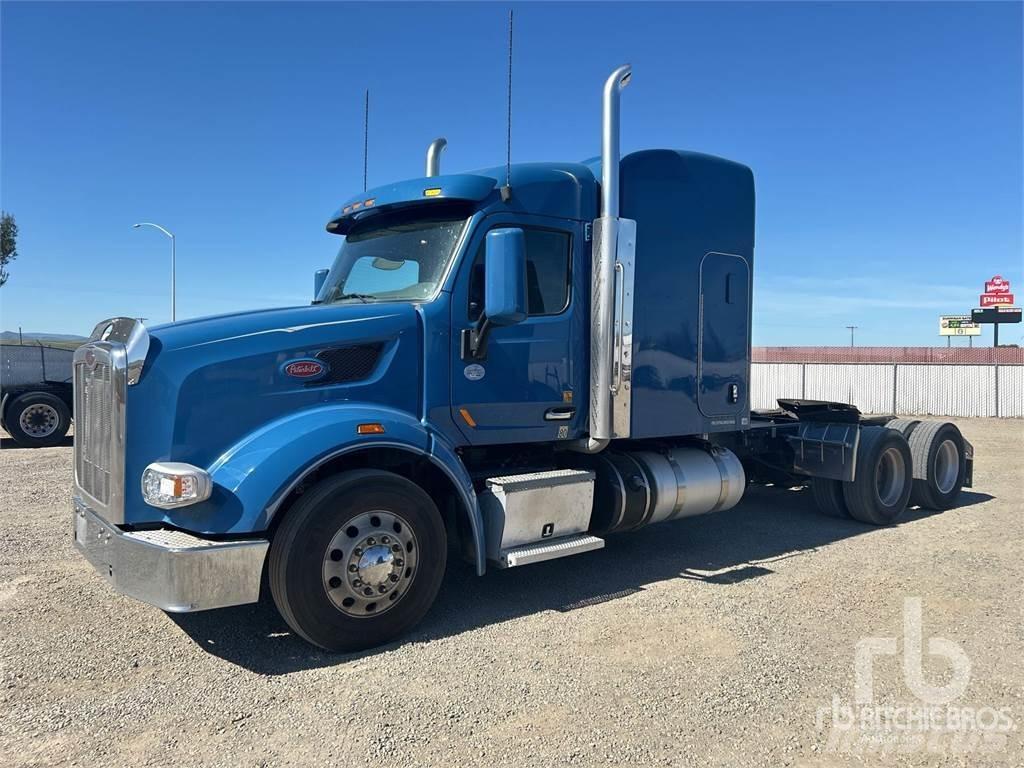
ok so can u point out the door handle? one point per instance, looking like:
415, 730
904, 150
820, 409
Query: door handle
559, 414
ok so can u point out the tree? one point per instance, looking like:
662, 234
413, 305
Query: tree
8, 244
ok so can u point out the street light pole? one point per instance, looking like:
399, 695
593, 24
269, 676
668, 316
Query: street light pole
170, 235
852, 329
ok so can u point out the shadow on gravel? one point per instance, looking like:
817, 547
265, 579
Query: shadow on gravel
7, 443
720, 549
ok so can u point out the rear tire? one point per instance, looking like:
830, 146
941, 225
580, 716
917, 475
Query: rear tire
357, 560
940, 464
881, 487
828, 495
905, 427
37, 419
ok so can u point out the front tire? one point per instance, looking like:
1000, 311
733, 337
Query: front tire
37, 420
357, 560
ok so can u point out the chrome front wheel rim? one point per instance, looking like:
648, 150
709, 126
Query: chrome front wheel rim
890, 476
39, 420
947, 466
370, 564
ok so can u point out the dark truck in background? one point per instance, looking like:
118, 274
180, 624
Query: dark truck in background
36, 399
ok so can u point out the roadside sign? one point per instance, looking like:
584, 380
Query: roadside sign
958, 325
996, 315
996, 299
997, 293
997, 285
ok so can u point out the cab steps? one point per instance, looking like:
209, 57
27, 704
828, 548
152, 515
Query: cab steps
527, 554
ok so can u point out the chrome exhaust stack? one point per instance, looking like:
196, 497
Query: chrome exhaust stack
611, 300
434, 156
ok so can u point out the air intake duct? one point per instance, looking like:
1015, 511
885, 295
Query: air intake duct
636, 488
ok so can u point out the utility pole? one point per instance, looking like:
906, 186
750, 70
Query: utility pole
852, 328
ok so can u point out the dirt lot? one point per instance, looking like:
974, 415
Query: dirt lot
721, 640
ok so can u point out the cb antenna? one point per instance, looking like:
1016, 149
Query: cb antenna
506, 191
366, 134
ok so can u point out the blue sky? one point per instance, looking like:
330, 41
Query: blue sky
885, 139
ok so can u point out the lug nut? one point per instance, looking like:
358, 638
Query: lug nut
382, 588
396, 548
357, 551
399, 562
385, 540
367, 591
394, 577
353, 568
357, 583
371, 541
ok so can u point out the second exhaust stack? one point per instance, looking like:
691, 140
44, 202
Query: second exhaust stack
434, 156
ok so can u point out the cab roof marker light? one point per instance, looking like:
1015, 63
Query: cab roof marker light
432, 192
369, 203
356, 206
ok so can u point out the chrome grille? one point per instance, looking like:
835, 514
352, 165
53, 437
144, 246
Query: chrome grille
99, 376
94, 406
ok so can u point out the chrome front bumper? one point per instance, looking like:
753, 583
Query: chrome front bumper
172, 570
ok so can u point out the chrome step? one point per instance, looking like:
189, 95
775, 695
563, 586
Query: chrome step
528, 554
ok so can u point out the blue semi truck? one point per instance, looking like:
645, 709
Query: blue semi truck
507, 365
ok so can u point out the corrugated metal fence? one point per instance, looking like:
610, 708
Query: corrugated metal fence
901, 388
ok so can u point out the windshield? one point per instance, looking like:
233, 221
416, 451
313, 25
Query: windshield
394, 257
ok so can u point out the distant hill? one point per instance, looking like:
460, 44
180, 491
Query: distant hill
13, 336
63, 340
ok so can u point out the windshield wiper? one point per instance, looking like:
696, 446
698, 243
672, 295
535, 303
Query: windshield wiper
363, 297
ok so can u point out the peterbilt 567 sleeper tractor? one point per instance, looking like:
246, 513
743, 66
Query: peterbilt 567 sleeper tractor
510, 364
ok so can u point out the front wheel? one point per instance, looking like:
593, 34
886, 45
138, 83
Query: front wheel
357, 560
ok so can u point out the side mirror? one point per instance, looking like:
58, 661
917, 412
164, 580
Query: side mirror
505, 290
319, 278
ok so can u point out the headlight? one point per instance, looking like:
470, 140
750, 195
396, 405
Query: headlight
173, 484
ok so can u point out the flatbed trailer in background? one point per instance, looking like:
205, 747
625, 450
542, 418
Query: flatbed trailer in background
36, 398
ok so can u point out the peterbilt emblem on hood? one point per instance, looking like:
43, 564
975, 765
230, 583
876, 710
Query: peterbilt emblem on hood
90, 358
304, 369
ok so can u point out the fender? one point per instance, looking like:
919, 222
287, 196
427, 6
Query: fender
252, 477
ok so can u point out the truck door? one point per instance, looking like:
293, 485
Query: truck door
529, 387
723, 364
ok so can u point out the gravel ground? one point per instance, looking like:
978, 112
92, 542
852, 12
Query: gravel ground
710, 641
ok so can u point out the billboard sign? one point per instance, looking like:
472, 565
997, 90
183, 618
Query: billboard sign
996, 315
997, 285
958, 325
997, 293
996, 300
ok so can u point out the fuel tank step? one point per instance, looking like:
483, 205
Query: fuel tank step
527, 554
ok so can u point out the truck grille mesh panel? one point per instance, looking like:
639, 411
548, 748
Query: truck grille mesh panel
94, 428
348, 364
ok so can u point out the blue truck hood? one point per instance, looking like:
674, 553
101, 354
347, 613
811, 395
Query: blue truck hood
209, 383
275, 325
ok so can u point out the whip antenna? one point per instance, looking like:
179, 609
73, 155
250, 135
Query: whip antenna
506, 191
366, 134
